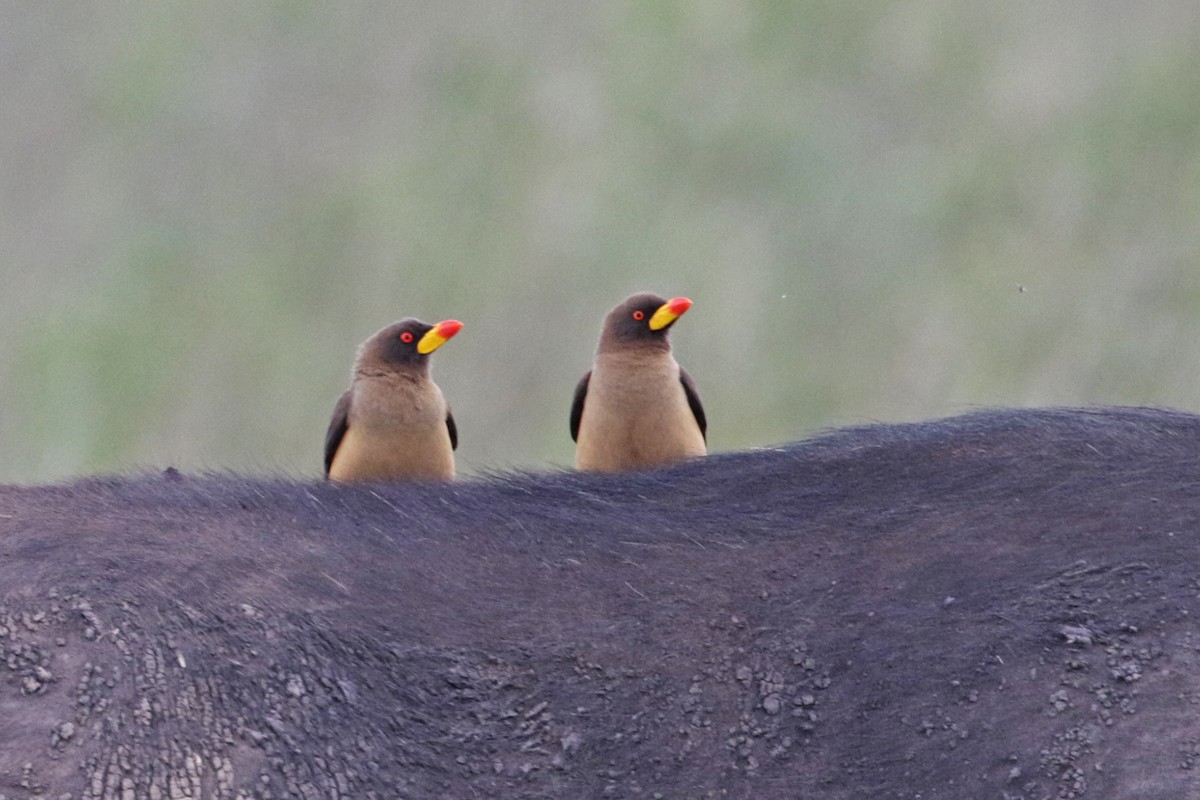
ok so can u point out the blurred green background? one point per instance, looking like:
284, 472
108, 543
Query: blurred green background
883, 211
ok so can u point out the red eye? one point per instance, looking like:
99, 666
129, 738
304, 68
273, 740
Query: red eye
406, 337
639, 315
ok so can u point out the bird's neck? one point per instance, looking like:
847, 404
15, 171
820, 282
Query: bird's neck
411, 373
635, 359
641, 348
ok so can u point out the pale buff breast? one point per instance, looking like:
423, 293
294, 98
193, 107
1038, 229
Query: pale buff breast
636, 415
396, 429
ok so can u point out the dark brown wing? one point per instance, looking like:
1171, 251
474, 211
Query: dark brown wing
337, 429
450, 426
577, 404
693, 397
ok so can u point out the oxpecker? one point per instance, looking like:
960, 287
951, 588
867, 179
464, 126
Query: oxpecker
637, 408
393, 422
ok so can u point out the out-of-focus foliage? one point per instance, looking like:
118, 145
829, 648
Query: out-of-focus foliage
890, 210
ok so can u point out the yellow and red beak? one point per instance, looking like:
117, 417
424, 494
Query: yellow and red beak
668, 312
438, 335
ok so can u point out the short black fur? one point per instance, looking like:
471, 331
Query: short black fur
999, 604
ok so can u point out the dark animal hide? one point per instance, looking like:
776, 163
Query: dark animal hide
1000, 605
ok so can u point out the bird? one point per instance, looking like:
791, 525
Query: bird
393, 422
637, 408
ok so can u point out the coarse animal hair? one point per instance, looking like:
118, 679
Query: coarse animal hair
1000, 604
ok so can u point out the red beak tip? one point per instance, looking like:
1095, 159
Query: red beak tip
449, 327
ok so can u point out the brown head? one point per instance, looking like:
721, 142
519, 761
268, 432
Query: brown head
404, 346
642, 321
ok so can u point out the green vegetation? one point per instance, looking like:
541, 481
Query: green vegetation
882, 211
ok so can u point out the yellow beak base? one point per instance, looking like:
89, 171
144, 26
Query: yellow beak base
668, 312
437, 336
